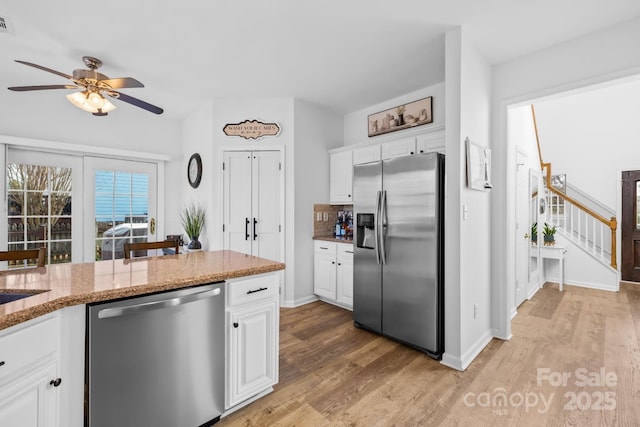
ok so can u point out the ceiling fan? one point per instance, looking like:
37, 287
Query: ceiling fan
94, 86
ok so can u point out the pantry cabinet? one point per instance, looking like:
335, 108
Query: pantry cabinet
333, 272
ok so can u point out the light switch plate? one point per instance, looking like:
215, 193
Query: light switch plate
325, 216
318, 216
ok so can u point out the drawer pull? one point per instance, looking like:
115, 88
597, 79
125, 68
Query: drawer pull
256, 290
322, 247
348, 252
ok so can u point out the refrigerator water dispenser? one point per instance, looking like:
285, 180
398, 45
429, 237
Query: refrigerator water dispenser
365, 231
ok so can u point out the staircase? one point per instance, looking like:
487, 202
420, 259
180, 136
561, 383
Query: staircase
589, 229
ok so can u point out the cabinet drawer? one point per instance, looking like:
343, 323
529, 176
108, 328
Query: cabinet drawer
345, 250
28, 345
243, 291
322, 246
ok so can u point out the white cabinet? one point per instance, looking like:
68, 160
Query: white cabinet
399, 147
333, 272
252, 203
431, 142
29, 368
366, 154
252, 337
340, 177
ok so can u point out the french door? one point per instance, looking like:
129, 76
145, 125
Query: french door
122, 206
252, 198
44, 194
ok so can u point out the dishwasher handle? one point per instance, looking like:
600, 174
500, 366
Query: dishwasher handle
155, 305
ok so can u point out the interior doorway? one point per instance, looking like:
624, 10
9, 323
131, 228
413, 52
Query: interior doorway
630, 228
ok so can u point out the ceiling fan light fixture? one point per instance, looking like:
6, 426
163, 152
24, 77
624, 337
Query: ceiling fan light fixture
91, 102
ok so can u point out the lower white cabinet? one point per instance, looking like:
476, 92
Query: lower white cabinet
252, 337
29, 368
333, 272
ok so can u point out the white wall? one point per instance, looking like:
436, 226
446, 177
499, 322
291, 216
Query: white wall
598, 57
355, 123
467, 252
316, 131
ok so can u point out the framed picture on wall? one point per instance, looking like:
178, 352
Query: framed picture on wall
416, 113
478, 166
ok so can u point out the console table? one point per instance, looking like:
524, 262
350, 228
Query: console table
555, 252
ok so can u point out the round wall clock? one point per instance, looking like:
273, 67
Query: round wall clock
194, 170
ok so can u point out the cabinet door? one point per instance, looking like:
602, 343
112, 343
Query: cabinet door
366, 154
237, 201
431, 142
253, 351
324, 275
30, 401
264, 228
341, 175
401, 147
344, 278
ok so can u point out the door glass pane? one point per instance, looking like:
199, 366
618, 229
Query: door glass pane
39, 210
122, 211
637, 205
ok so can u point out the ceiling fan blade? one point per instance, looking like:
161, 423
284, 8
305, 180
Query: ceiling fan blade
122, 82
135, 101
40, 67
42, 87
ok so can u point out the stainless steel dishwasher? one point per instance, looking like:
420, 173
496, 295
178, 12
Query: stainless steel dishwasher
157, 360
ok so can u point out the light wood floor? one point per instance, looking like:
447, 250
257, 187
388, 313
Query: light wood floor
332, 374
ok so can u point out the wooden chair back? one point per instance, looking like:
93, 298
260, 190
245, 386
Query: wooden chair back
37, 254
128, 247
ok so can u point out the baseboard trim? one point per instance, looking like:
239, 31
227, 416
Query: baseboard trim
599, 286
452, 362
299, 302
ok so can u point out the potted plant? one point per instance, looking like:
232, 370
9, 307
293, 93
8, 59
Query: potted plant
192, 218
549, 234
534, 233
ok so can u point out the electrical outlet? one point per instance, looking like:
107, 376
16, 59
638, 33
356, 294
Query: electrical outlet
318, 216
475, 311
326, 216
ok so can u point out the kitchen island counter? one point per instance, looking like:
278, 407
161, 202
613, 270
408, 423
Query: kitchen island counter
65, 285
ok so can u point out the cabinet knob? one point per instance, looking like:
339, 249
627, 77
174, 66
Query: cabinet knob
421, 151
1, 362
349, 195
235, 324
339, 263
412, 153
333, 262
56, 382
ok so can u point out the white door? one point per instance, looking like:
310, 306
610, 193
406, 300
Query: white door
523, 228
237, 201
120, 205
265, 203
253, 203
44, 199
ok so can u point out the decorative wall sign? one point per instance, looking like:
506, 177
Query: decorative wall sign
405, 116
251, 129
478, 166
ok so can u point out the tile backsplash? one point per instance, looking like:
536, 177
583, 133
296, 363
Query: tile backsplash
324, 218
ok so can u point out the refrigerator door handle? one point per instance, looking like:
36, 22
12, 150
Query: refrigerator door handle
383, 227
376, 229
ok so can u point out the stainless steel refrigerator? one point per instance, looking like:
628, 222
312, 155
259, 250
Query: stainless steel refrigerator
398, 290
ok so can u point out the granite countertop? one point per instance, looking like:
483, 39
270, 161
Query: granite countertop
65, 285
334, 239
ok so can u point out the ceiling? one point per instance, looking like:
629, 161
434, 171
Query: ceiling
344, 55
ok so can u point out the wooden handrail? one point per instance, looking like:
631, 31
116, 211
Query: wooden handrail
612, 222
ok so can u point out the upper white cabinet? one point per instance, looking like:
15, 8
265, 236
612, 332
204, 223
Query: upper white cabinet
431, 142
341, 176
399, 147
366, 154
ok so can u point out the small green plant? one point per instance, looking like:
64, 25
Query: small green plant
548, 230
534, 232
192, 219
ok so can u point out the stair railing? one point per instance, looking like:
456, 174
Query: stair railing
581, 223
